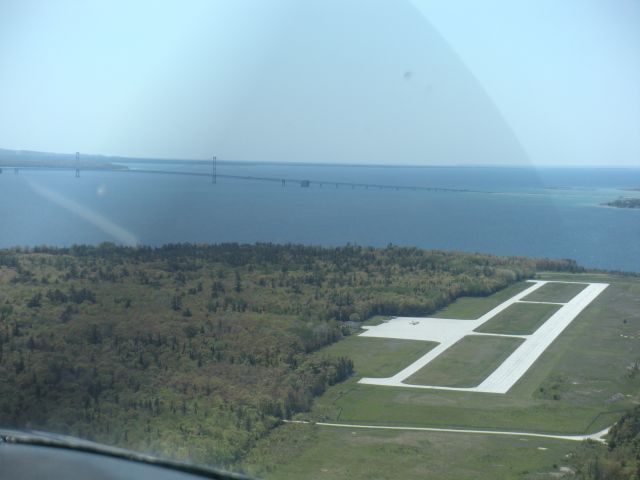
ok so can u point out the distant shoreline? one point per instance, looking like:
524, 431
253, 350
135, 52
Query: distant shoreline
95, 159
624, 202
66, 164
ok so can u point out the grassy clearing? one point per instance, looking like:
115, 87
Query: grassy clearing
519, 319
379, 357
339, 453
586, 277
376, 320
466, 363
555, 292
470, 308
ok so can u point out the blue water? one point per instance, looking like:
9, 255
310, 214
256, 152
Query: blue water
550, 212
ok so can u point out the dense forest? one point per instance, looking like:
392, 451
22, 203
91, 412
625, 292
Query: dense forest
195, 352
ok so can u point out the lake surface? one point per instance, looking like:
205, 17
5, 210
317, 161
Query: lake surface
552, 212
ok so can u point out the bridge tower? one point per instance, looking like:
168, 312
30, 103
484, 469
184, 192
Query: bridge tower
77, 164
214, 169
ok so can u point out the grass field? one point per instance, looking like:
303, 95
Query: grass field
570, 389
378, 357
555, 292
340, 453
470, 308
376, 320
466, 363
519, 319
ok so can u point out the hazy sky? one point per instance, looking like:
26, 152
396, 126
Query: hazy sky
397, 82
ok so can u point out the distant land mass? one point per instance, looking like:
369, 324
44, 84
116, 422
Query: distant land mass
36, 159
32, 159
624, 203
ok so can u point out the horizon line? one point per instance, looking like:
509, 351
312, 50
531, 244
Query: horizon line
133, 159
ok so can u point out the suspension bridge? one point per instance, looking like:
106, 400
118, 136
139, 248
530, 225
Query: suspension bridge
214, 175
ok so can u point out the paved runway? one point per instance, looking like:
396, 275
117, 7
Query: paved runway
447, 332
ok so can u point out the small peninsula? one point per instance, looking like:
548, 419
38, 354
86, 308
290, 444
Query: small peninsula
624, 202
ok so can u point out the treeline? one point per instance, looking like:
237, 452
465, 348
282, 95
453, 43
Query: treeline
181, 256
197, 351
332, 273
620, 460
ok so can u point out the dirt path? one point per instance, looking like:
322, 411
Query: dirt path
598, 436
